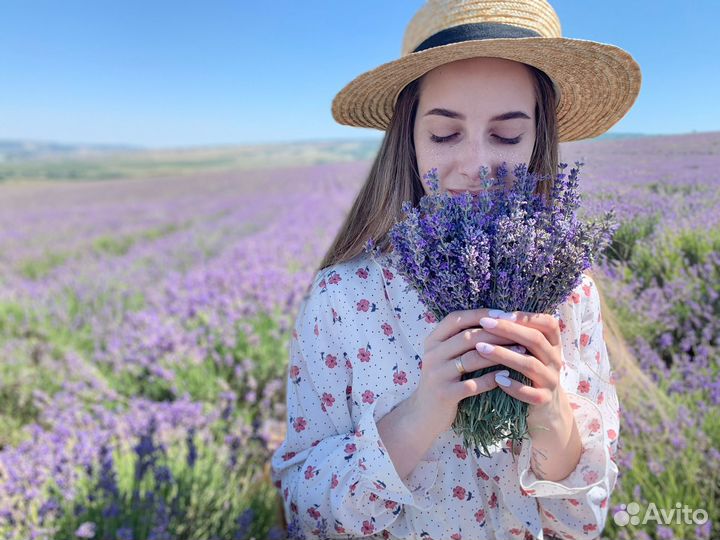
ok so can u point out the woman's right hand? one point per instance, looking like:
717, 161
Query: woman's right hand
441, 389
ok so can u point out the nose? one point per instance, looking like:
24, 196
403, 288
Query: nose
473, 156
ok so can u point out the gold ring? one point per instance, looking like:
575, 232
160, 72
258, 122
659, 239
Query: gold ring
459, 365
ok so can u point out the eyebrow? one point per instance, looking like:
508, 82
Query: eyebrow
452, 114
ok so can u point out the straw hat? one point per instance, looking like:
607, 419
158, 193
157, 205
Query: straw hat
597, 83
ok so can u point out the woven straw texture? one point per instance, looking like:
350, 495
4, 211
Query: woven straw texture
598, 83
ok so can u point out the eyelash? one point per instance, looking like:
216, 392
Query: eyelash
437, 139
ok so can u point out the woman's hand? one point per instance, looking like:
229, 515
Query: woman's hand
539, 333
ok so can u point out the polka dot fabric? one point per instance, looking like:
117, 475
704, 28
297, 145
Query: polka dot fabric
355, 354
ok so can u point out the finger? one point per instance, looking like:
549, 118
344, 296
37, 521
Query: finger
545, 323
456, 322
530, 338
472, 361
463, 342
526, 364
475, 385
523, 392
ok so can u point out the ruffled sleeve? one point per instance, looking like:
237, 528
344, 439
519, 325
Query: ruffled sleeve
335, 476
577, 506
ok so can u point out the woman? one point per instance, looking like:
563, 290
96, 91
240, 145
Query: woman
374, 381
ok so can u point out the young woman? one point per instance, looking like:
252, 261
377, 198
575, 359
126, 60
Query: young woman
375, 381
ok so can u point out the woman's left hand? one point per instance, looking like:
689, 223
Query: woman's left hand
539, 334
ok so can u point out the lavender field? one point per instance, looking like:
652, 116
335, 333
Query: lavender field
145, 322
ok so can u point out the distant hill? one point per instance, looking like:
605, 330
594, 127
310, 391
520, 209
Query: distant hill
33, 160
18, 150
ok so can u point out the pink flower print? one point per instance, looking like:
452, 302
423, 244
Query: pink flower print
314, 513
549, 515
584, 387
294, 333
612, 435
430, 317
327, 400
330, 361
310, 472
299, 424
400, 377
480, 517
584, 339
387, 330
459, 492
575, 297
591, 476
492, 503
594, 425
363, 305
294, 371
388, 274
316, 330
322, 284
367, 528
364, 354
600, 398
496, 478
589, 527
335, 316
562, 325
368, 396
515, 531
374, 497
456, 536
339, 529
334, 482
586, 290
315, 442
390, 505
293, 508
348, 390
348, 363
597, 358
603, 503
288, 456
481, 474
350, 448
574, 406
362, 273
335, 279
574, 502
460, 451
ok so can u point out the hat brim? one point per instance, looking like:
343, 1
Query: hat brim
598, 82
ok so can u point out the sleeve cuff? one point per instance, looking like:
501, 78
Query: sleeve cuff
380, 487
592, 472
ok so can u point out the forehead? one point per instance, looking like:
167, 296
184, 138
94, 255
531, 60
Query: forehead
478, 84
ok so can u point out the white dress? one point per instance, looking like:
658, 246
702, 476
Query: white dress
355, 353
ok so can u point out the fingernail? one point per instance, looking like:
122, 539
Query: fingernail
487, 322
502, 380
484, 348
500, 314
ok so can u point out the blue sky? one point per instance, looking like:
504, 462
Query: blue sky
161, 73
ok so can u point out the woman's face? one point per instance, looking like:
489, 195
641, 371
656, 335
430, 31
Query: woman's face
460, 124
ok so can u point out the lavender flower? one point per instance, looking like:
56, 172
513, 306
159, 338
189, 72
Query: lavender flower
510, 249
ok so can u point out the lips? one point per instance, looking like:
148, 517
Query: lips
460, 192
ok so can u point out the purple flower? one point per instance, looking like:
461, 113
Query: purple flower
86, 530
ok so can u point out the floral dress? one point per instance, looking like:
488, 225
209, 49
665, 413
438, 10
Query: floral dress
355, 353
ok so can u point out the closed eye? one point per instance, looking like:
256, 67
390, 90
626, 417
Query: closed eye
436, 139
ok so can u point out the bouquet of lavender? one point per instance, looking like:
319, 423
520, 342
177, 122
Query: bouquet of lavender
508, 249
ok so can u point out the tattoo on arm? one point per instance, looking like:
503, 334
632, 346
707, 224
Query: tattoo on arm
538, 456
